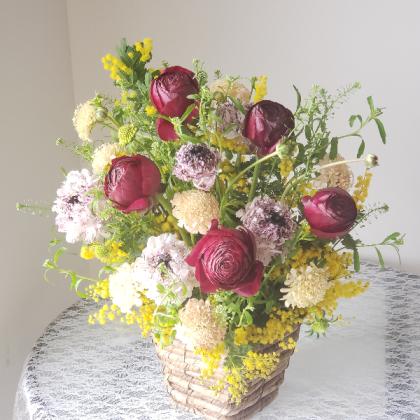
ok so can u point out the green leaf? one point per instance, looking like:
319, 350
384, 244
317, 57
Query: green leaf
106, 269
381, 260
114, 136
356, 260
216, 118
64, 172
349, 242
248, 319
299, 98
228, 153
353, 118
381, 130
361, 149
227, 130
194, 140
148, 78
55, 242
73, 278
83, 295
237, 104
58, 253
187, 112
308, 133
391, 237
370, 102
334, 148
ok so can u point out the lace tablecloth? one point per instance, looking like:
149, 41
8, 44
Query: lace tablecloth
369, 369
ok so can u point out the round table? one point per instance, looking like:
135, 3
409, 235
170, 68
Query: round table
369, 369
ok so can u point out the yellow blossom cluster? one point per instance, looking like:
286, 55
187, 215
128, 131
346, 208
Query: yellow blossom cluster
87, 253
166, 224
231, 144
280, 323
260, 365
243, 184
211, 359
337, 264
142, 317
260, 89
144, 48
286, 166
150, 110
361, 190
98, 291
113, 64
346, 290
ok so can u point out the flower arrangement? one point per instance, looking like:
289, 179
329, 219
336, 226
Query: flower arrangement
223, 219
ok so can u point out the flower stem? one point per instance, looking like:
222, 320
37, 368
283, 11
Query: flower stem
254, 182
110, 118
167, 206
292, 184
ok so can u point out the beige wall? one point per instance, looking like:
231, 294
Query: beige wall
36, 106
51, 61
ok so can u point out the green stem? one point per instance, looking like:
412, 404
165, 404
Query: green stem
254, 182
110, 118
239, 176
106, 125
167, 206
293, 183
162, 174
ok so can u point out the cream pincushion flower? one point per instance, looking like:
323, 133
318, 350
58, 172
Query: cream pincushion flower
237, 90
84, 120
306, 288
335, 176
201, 326
195, 209
102, 157
125, 288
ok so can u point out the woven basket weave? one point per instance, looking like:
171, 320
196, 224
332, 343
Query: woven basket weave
182, 369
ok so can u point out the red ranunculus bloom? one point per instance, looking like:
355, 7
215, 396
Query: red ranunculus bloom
331, 212
168, 94
225, 259
132, 183
266, 123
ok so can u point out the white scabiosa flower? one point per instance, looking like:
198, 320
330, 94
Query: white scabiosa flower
307, 287
102, 157
340, 176
195, 209
84, 120
73, 208
201, 326
124, 288
168, 252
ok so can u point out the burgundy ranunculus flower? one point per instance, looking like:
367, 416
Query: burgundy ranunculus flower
132, 183
266, 123
168, 94
331, 212
225, 259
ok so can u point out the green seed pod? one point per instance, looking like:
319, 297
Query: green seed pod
101, 251
101, 113
126, 133
371, 161
320, 325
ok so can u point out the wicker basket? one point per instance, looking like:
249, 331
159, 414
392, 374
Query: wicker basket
182, 369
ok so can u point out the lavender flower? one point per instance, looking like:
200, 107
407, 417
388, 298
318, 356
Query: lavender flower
73, 208
169, 252
198, 163
231, 115
272, 224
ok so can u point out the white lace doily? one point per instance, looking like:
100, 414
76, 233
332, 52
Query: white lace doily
367, 370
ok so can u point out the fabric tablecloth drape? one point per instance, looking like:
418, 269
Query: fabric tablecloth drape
369, 369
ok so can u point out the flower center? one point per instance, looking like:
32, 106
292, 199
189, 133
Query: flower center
164, 259
276, 219
200, 152
74, 200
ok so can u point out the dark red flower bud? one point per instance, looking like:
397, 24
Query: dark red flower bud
331, 212
168, 94
132, 183
266, 123
225, 259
